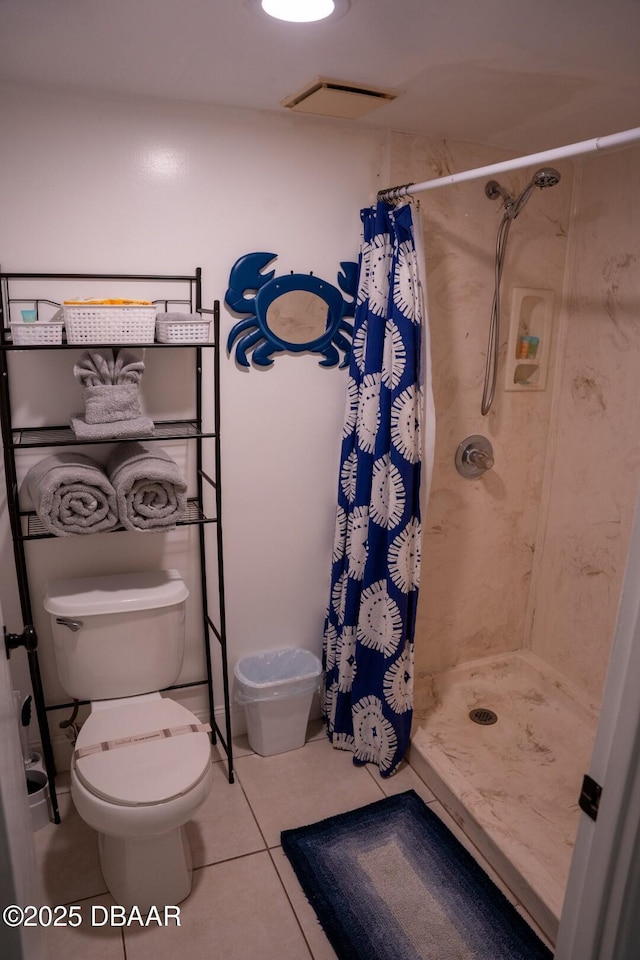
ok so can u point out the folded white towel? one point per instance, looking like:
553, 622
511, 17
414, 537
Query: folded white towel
116, 430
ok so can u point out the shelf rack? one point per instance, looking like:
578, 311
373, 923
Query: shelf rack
19, 288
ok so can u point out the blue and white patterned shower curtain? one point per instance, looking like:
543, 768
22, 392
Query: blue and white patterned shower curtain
369, 630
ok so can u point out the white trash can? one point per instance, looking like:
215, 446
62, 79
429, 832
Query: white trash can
38, 791
277, 688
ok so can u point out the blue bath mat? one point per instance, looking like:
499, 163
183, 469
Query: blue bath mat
390, 882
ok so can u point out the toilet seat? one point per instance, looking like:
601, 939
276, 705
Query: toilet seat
144, 773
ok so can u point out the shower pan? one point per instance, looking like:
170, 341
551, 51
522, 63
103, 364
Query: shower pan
511, 784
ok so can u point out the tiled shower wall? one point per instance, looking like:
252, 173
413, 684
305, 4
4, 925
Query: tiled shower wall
592, 488
480, 535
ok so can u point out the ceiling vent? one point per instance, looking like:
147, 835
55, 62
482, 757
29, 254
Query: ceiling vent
335, 98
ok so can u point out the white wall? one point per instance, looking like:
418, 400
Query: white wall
121, 185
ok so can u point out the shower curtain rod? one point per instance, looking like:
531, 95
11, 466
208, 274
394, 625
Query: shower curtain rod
615, 141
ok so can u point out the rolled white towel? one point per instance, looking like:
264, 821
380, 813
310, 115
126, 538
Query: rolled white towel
72, 495
150, 490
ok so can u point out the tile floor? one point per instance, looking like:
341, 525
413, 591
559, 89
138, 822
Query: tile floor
245, 901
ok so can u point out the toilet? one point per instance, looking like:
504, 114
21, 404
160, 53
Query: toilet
142, 762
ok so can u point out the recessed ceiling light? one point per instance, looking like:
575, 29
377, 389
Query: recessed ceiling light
301, 11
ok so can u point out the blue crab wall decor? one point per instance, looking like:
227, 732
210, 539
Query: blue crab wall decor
254, 333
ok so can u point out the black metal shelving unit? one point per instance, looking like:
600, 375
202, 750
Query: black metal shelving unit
30, 288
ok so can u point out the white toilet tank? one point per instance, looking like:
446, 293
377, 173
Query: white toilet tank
118, 636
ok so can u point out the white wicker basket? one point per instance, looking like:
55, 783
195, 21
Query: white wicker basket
182, 328
30, 334
109, 323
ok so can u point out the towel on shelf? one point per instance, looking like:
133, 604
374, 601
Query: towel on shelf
150, 490
111, 388
117, 430
96, 367
71, 494
107, 403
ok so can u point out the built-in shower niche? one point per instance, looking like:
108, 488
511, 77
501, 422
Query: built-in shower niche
529, 339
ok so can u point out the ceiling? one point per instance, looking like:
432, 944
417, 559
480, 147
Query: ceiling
523, 75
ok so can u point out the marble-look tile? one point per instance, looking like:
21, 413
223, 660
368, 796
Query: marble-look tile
224, 826
480, 536
512, 786
593, 485
237, 909
303, 786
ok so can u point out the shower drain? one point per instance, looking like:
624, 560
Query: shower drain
483, 716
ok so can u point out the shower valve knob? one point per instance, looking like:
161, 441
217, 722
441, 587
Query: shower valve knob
474, 457
480, 459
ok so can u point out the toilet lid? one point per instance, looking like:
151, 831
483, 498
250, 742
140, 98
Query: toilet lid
147, 772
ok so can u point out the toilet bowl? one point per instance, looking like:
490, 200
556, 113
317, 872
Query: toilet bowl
138, 775
142, 762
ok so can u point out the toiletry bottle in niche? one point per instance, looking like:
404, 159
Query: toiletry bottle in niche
532, 350
523, 348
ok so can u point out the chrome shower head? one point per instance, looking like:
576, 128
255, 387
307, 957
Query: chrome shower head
546, 177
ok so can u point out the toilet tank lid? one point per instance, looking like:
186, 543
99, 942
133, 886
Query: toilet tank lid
118, 593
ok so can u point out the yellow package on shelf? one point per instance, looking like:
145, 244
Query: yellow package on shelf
117, 302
